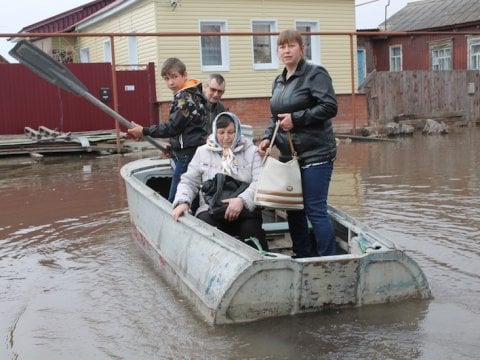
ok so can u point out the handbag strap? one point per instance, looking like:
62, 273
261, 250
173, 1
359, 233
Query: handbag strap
275, 131
292, 149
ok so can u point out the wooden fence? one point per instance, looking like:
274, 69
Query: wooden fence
423, 94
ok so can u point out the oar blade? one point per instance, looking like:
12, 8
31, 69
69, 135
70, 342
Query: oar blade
48, 68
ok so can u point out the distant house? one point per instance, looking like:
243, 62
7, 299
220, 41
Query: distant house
423, 62
249, 63
63, 48
430, 52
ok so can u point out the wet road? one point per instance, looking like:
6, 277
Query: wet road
73, 285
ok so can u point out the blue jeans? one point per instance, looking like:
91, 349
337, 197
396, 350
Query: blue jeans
315, 182
181, 165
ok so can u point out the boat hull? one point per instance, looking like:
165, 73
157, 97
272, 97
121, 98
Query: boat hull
230, 282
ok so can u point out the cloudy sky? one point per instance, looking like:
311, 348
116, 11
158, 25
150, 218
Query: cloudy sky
18, 14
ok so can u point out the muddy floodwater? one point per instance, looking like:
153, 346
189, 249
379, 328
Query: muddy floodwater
74, 285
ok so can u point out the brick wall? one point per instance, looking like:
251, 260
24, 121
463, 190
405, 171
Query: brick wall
344, 121
256, 112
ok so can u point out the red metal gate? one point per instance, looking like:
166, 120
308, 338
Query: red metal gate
28, 100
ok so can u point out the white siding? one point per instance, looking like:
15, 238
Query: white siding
137, 18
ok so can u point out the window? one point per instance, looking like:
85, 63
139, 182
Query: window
474, 53
107, 51
264, 46
361, 65
441, 55
132, 50
442, 59
395, 58
214, 48
84, 55
311, 42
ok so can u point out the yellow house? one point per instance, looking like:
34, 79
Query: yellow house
248, 62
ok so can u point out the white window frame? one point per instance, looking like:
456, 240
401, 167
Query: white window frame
107, 51
441, 55
396, 63
314, 39
85, 55
473, 52
225, 56
133, 50
273, 63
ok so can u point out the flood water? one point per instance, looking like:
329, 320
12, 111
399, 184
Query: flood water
74, 285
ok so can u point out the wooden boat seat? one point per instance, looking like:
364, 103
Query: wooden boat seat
279, 238
275, 227
280, 227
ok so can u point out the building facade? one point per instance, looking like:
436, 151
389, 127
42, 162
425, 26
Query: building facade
155, 30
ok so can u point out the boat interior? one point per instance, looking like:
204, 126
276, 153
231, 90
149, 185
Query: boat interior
350, 239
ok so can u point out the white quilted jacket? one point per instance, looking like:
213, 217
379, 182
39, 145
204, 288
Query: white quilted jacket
206, 163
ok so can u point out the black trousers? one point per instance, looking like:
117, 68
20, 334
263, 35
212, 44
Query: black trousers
243, 228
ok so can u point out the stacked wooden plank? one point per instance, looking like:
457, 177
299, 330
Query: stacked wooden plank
44, 140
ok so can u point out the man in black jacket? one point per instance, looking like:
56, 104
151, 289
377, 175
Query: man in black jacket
213, 91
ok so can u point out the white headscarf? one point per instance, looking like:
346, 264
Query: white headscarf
229, 164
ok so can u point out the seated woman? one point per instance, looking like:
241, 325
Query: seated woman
228, 152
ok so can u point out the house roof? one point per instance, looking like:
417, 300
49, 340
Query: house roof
433, 14
66, 21
115, 6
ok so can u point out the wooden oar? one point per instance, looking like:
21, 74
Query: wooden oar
56, 73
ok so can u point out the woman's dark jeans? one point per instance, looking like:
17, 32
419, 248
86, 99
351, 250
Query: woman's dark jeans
315, 182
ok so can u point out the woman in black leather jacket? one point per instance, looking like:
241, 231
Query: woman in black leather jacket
303, 100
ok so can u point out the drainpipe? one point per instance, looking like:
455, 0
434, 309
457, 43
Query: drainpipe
388, 4
352, 76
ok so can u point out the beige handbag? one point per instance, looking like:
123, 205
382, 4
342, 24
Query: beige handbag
280, 184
